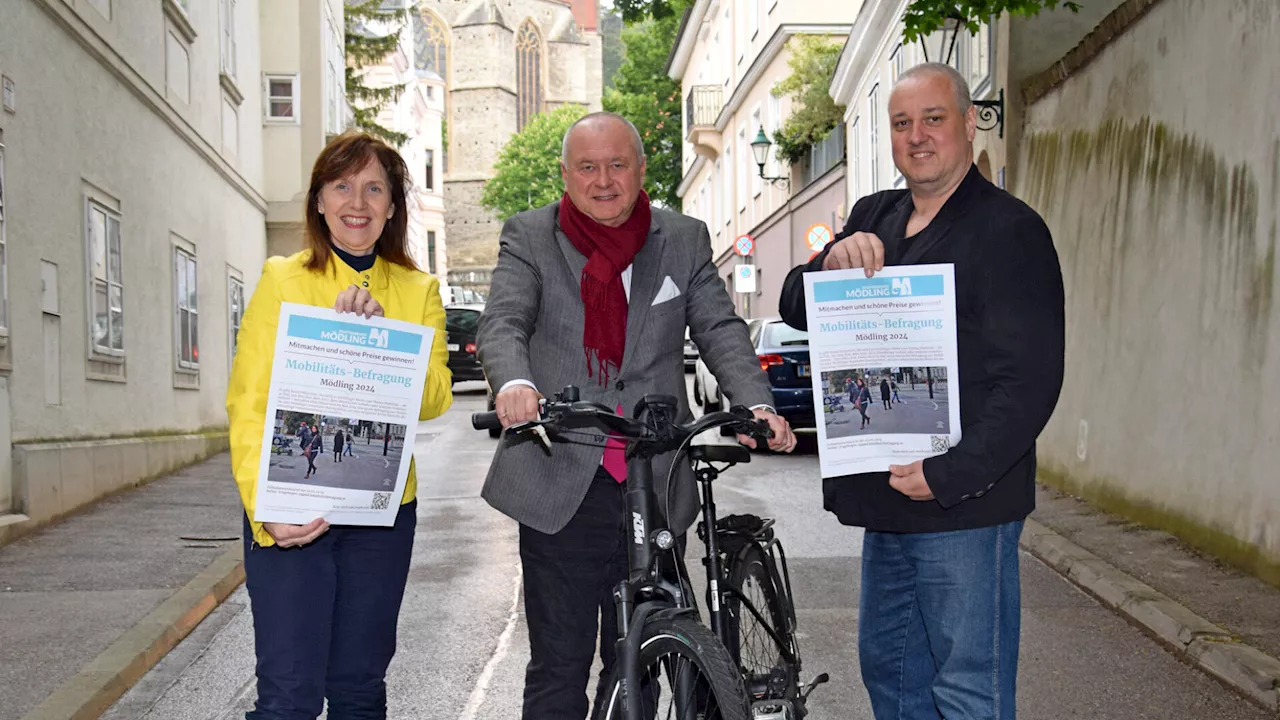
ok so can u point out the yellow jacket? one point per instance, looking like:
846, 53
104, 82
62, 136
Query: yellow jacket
404, 294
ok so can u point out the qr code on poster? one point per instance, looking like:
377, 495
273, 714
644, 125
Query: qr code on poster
381, 500
941, 443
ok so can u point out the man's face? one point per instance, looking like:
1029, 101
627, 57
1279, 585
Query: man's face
932, 140
602, 173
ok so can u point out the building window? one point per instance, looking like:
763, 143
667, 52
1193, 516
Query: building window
106, 280
228, 18
430, 170
744, 157
430, 44
753, 17
757, 186
528, 73
335, 76
177, 68
979, 60
873, 129
282, 98
895, 63
4, 253
855, 141
718, 215
185, 300
726, 185
235, 311
431, 251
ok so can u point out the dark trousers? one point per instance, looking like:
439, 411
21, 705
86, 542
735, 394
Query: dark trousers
324, 620
568, 585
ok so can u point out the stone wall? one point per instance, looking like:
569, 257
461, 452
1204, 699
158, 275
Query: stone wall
1156, 163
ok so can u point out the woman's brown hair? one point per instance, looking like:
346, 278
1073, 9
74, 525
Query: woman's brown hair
346, 155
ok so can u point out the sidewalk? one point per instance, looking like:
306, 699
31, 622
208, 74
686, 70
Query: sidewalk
88, 605
1213, 617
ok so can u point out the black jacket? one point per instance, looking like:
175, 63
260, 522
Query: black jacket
1010, 338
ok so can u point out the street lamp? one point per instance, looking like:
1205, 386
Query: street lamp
760, 149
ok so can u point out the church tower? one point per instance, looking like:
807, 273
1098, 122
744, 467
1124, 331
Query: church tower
503, 61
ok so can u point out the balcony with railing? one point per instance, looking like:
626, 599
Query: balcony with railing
702, 108
823, 155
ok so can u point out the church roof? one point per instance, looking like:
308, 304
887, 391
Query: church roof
483, 12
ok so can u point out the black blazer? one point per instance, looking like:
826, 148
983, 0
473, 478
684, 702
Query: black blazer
1010, 315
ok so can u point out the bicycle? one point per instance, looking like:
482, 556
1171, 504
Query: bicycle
663, 648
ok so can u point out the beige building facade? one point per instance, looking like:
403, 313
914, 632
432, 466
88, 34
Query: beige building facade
502, 61
136, 185
728, 58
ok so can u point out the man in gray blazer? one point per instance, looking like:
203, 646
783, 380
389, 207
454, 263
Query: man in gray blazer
596, 291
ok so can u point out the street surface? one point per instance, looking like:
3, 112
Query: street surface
366, 469
916, 413
463, 645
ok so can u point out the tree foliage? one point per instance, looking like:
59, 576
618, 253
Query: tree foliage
644, 94
813, 112
527, 174
924, 17
372, 34
635, 11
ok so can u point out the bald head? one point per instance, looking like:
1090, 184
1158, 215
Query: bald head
602, 121
959, 87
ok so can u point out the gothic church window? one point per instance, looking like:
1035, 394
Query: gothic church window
528, 73
430, 44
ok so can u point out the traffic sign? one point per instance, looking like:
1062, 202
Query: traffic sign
817, 236
744, 245
744, 279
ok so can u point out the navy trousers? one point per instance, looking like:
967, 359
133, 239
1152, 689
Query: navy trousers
324, 619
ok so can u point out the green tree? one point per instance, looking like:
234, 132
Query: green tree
813, 113
924, 17
644, 94
634, 11
611, 45
527, 174
365, 46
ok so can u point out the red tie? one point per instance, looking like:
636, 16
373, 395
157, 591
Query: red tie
615, 460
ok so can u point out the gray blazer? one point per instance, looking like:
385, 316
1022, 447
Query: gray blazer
531, 329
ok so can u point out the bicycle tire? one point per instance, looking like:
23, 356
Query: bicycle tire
685, 637
752, 563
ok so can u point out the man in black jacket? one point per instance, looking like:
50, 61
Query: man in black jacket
939, 612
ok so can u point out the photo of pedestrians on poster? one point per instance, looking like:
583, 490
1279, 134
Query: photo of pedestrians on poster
885, 400
335, 452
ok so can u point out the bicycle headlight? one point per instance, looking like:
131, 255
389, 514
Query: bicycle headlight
664, 539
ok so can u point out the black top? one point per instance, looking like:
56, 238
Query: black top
359, 263
1010, 315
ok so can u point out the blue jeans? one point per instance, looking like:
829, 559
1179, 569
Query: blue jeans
324, 619
938, 623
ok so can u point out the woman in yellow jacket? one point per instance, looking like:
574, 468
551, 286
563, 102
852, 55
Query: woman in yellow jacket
326, 599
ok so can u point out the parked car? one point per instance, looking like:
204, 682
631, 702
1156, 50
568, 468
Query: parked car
690, 353
783, 352
460, 327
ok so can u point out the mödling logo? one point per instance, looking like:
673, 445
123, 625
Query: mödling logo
379, 338
901, 286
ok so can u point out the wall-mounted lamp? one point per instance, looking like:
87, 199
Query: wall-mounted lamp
760, 149
991, 113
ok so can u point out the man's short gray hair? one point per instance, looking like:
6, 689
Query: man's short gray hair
964, 100
592, 117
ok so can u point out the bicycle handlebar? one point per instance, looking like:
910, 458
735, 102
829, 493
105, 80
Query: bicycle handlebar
560, 415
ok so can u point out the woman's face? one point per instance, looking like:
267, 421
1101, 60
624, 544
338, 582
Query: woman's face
356, 208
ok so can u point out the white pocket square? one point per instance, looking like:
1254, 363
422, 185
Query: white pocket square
668, 291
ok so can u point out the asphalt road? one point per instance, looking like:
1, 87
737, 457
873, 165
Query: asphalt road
915, 413
463, 646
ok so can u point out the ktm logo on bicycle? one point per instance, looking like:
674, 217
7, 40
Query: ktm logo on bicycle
637, 528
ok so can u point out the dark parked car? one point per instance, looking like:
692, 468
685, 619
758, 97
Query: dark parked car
784, 356
460, 326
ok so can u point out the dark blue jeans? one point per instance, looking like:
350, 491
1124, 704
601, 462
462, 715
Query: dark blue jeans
939, 622
324, 619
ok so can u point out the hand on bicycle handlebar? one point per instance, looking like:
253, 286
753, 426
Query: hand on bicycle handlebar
517, 404
783, 439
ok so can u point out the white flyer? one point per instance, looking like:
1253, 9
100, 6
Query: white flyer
341, 416
883, 356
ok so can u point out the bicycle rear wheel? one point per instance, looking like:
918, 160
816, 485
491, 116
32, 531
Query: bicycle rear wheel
762, 642
685, 674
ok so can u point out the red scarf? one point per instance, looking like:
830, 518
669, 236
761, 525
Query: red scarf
609, 250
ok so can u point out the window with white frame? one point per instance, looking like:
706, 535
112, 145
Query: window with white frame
773, 122
757, 186
235, 312
704, 210
227, 15
335, 84
855, 144
719, 201
106, 280
895, 62
873, 130
177, 67
282, 98
431, 251
430, 170
979, 60
744, 157
186, 321
4, 252
726, 185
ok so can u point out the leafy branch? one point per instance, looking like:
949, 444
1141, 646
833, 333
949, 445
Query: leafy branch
924, 17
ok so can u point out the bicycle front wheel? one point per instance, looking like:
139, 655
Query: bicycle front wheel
685, 674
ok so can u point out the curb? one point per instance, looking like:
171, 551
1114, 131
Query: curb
100, 683
1194, 639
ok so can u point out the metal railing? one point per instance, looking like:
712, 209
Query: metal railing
824, 155
703, 106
